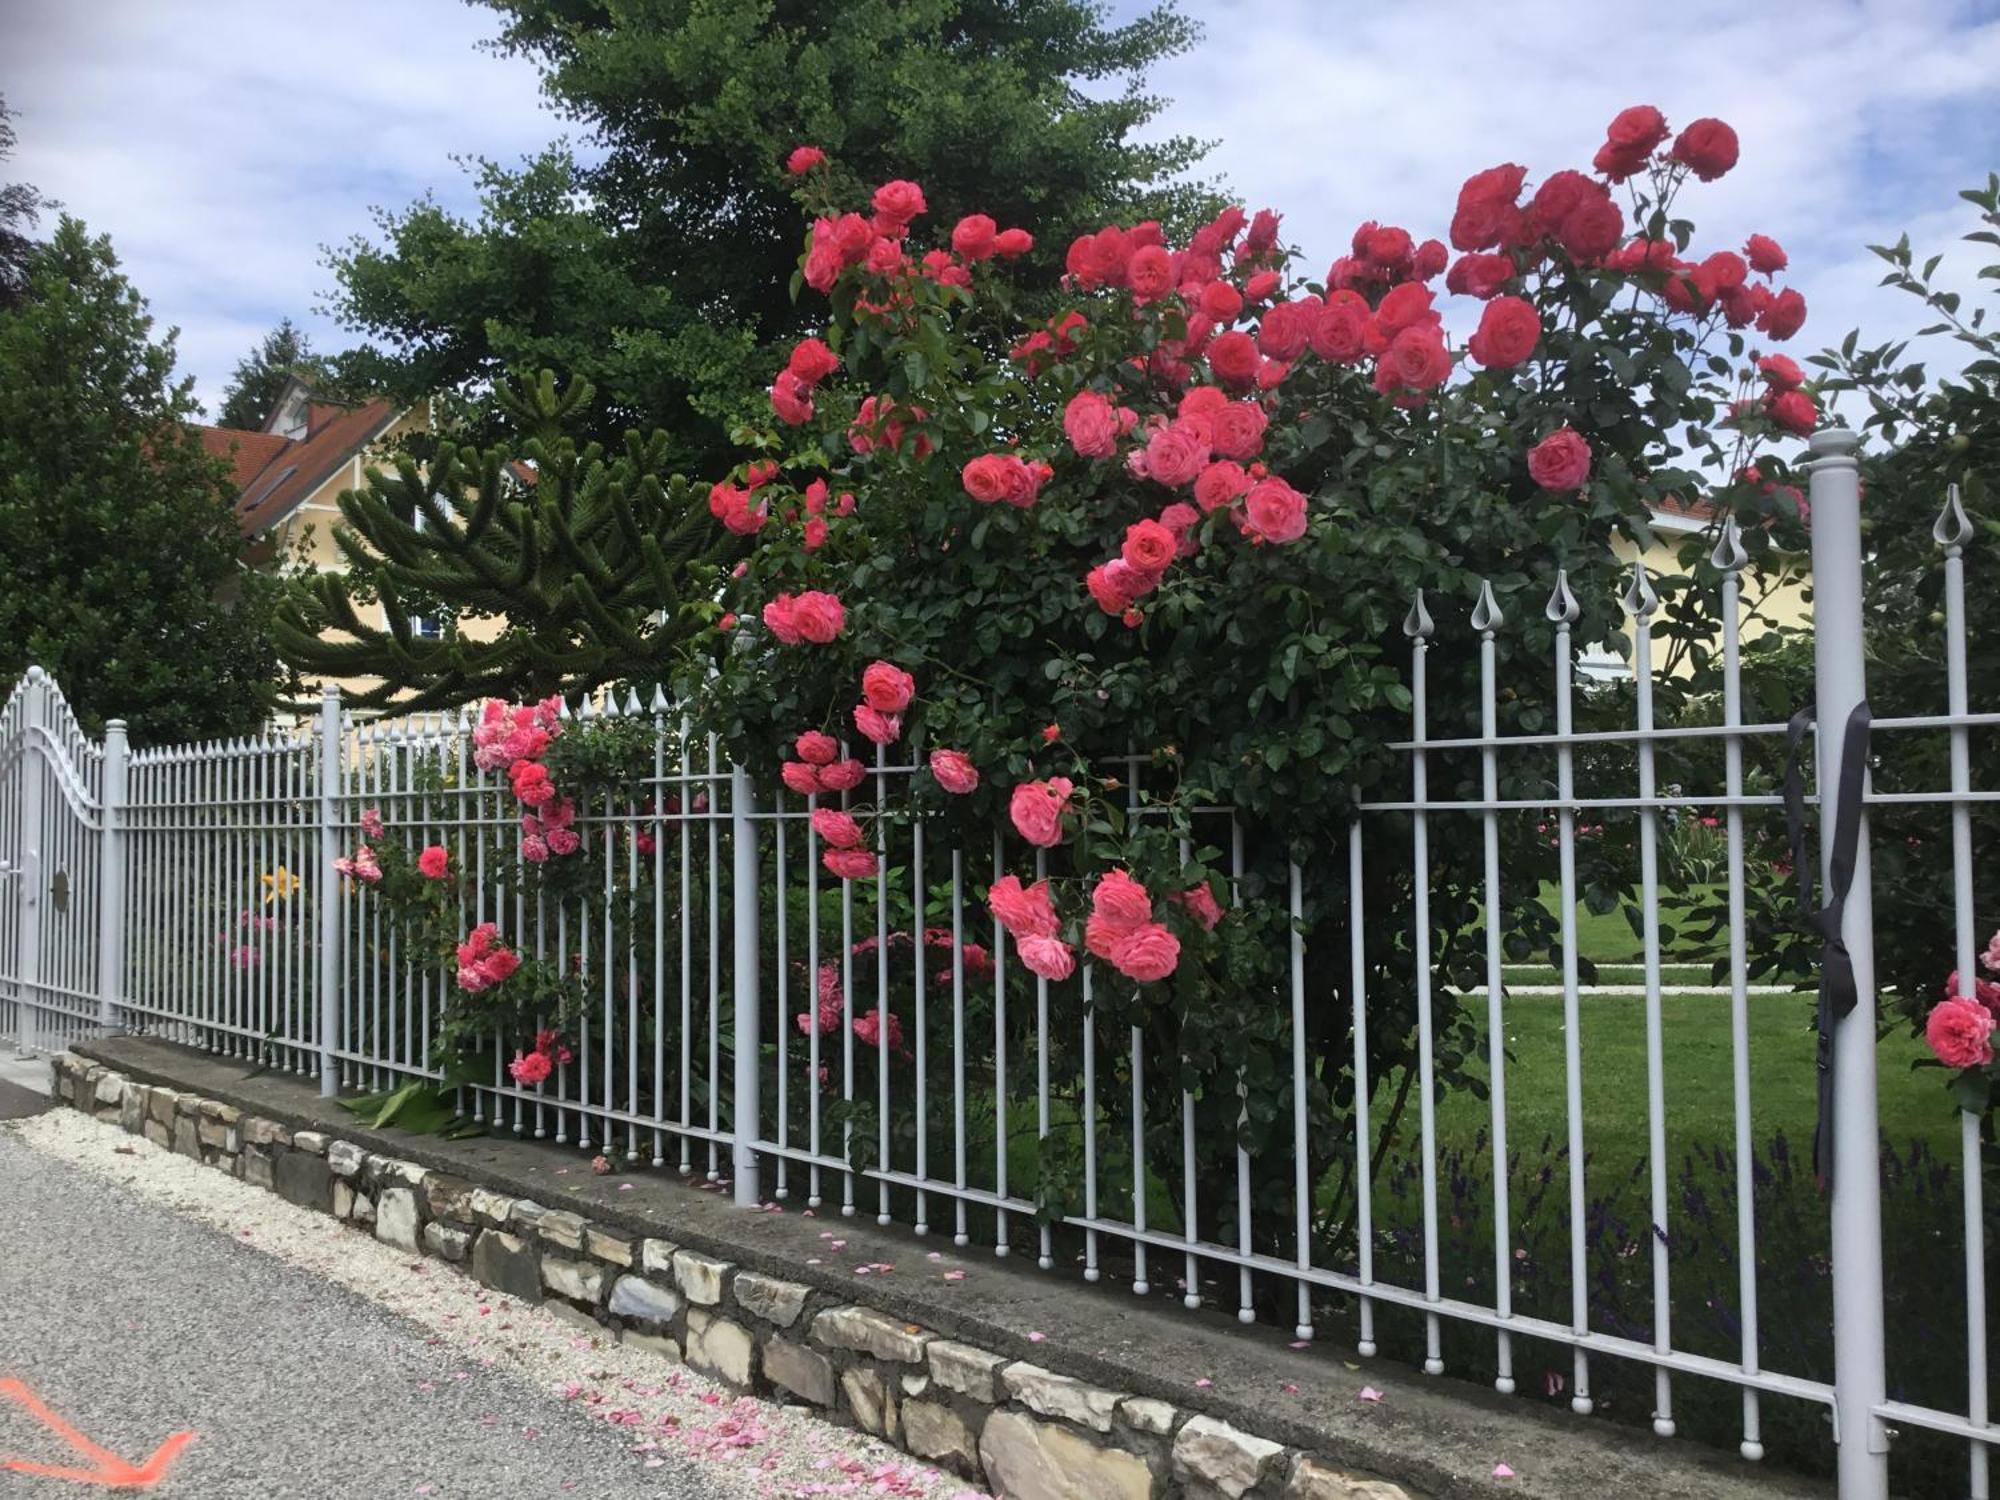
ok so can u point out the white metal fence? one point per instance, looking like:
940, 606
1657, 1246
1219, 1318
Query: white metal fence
874, 1045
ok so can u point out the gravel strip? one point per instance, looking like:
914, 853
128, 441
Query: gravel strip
766, 1450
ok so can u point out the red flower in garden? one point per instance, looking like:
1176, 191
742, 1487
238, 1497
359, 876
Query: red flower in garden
1560, 461
1785, 316
1234, 358
954, 771
817, 616
1013, 242
1766, 255
886, 687
1147, 953
1488, 213
850, 864
836, 828
1274, 512
1509, 329
881, 728
1794, 411
1960, 1033
842, 775
434, 863
816, 748
1781, 371
899, 202
1047, 957
803, 159
1148, 547
976, 237
812, 361
1036, 809
1707, 147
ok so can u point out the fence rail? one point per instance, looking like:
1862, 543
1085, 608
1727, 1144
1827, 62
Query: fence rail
189, 892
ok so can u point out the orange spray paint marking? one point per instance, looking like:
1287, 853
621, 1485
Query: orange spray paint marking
104, 1468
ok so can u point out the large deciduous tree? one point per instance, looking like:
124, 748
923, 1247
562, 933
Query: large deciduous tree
20, 205
119, 555
661, 269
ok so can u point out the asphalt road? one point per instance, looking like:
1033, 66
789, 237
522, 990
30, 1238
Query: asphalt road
132, 1322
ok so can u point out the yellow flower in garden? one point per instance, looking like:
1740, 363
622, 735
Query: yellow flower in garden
279, 884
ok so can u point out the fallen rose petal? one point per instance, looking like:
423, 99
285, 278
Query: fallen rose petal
1501, 1471
1369, 1393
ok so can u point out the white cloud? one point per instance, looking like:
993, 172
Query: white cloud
221, 144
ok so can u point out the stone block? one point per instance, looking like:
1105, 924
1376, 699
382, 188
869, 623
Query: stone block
562, 1230
396, 1218
304, 1180
575, 1279
1029, 1460
576, 1317
312, 1142
160, 1107
1221, 1457
211, 1133
699, 1277
490, 1210
396, 1172
362, 1214
1312, 1480
868, 1332
159, 1135
940, 1434
644, 1301
507, 1263
1058, 1396
132, 1109
870, 1400
110, 1090
448, 1197
344, 1158
187, 1137
1143, 1414
768, 1298
609, 1246
656, 1257
804, 1372
447, 1243
258, 1131
343, 1199
721, 1348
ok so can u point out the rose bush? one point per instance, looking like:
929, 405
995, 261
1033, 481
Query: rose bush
1149, 555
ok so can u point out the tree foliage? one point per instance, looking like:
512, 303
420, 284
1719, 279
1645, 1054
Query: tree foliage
20, 206
554, 567
660, 270
119, 554
259, 376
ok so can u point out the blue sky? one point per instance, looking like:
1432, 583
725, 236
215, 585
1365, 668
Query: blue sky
223, 143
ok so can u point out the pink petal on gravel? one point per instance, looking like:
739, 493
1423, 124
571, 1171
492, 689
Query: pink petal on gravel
1368, 1393
1037, 1338
1501, 1471
1299, 1344
1203, 1384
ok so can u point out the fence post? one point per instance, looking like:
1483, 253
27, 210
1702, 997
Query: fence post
33, 877
111, 876
327, 890
1840, 681
746, 899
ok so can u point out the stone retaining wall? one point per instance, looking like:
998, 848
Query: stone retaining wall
1024, 1432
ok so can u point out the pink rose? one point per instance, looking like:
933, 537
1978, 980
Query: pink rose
1794, 412
535, 849
954, 771
1766, 256
803, 159
780, 618
1785, 315
849, 864
836, 828
1036, 808
975, 237
1121, 901
1234, 358
868, 1028
816, 748
529, 1068
887, 688
1960, 1032
1149, 273
434, 863
1149, 547
1176, 453
800, 777
1091, 425
1012, 242
1049, 957
1023, 911
1238, 429
1479, 275
1220, 484
1708, 147
1147, 953
1274, 512
1560, 461
812, 361
1221, 301
898, 202
842, 776
883, 729
817, 616
1508, 331
500, 964
1198, 901
1417, 360
986, 478
1110, 584
371, 817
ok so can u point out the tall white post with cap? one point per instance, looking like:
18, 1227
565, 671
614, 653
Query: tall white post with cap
745, 1120
1840, 683
111, 867
326, 891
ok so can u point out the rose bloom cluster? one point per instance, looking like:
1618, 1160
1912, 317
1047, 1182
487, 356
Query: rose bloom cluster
483, 960
534, 1065
1960, 1028
1184, 425
515, 738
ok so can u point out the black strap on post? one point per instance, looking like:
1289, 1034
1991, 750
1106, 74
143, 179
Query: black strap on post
1838, 994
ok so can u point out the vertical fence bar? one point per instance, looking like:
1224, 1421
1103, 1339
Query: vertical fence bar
326, 890
1840, 681
1364, 1135
111, 868
1952, 531
1729, 559
1486, 619
33, 879
1417, 626
745, 1127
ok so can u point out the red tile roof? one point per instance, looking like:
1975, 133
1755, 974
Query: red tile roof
275, 474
